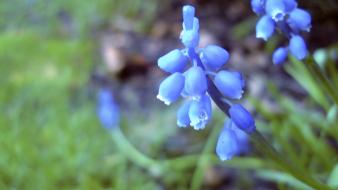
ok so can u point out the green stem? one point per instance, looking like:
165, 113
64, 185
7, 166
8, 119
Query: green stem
326, 84
204, 159
264, 147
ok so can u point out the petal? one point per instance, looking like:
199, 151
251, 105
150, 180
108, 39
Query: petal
298, 47
171, 88
183, 114
190, 38
188, 16
200, 112
242, 118
275, 9
230, 84
195, 82
258, 6
227, 144
242, 138
299, 19
290, 5
265, 28
280, 55
214, 57
173, 61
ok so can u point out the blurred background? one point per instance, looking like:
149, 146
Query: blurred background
56, 55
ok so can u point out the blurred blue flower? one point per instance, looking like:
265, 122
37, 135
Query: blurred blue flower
285, 16
107, 110
298, 47
280, 55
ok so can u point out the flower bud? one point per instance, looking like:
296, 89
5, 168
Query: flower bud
280, 55
258, 6
230, 84
298, 47
290, 5
214, 57
227, 144
171, 88
172, 62
299, 19
188, 16
195, 82
265, 27
275, 9
242, 118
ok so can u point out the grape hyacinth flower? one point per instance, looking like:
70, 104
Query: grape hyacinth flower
107, 110
196, 74
285, 16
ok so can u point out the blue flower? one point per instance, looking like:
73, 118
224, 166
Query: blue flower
275, 9
190, 37
290, 5
183, 119
171, 88
242, 118
230, 84
227, 144
287, 18
173, 61
200, 112
299, 20
265, 28
280, 55
258, 6
298, 47
107, 110
192, 83
214, 57
195, 82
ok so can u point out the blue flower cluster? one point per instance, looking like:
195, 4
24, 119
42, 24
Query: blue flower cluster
289, 19
192, 82
107, 110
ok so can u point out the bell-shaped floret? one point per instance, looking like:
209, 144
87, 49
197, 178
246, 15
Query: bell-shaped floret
227, 144
290, 5
190, 38
171, 88
265, 27
242, 118
298, 47
214, 57
242, 138
172, 62
258, 6
299, 19
280, 55
230, 84
188, 16
200, 112
275, 9
195, 82
183, 119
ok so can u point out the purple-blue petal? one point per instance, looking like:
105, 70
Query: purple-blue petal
275, 9
227, 144
183, 119
230, 84
200, 112
265, 27
171, 88
280, 55
214, 57
258, 6
242, 118
299, 20
195, 82
172, 62
298, 47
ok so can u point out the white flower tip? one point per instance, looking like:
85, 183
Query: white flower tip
262, 36
164, 100
225, 158
181, 125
